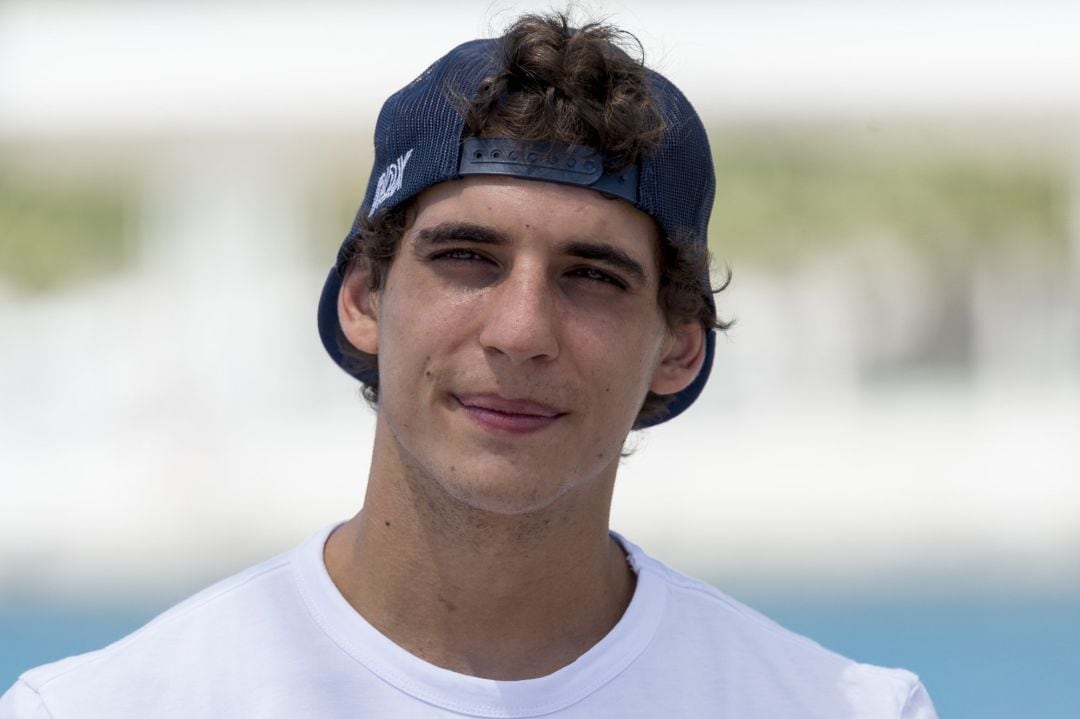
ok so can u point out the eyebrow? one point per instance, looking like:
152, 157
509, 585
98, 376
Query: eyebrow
449, 232
457, 231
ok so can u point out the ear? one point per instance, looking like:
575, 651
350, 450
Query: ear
682, 359
358, 309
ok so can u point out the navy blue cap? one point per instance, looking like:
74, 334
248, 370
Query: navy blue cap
418, 144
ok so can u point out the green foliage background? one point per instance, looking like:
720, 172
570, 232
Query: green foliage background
51, 236
781, 196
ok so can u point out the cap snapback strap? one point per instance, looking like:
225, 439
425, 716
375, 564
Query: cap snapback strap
548, 161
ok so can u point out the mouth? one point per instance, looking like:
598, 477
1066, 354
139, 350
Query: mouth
508, 415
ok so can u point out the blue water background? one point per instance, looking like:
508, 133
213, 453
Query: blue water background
980, 659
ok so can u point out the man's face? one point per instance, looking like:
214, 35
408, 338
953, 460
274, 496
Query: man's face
517, 333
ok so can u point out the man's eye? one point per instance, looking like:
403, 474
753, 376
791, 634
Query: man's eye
595, 275
458, 254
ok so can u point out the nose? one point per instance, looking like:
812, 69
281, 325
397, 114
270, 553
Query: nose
521, 320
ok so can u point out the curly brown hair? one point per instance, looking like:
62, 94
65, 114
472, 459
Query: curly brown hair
581, 86
576, 86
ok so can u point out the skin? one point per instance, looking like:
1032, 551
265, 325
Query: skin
518, 333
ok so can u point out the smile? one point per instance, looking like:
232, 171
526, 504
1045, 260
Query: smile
508, 415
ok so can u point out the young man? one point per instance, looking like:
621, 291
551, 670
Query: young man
526, 282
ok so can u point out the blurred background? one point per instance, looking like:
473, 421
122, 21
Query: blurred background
887, 457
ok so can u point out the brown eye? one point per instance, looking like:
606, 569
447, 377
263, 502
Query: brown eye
593, 274
459, 255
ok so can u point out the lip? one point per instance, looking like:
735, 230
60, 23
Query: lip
508, 415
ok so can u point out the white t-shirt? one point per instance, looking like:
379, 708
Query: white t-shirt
279, 640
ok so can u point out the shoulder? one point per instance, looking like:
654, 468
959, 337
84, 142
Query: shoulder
743, 652
21, 701
197, 638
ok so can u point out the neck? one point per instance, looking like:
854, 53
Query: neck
503, 596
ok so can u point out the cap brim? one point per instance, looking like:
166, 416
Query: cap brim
329, 325
682, 400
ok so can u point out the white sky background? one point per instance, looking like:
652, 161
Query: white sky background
179, 421
71, 68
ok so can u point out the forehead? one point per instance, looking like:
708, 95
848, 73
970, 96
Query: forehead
548, 210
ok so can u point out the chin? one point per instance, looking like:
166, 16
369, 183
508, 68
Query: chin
496, 498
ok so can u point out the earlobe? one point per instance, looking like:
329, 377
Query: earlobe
682, 359
358, 309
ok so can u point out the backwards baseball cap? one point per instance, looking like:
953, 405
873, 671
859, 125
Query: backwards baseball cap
418, 143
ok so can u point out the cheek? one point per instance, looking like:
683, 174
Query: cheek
413, 332
620, 363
